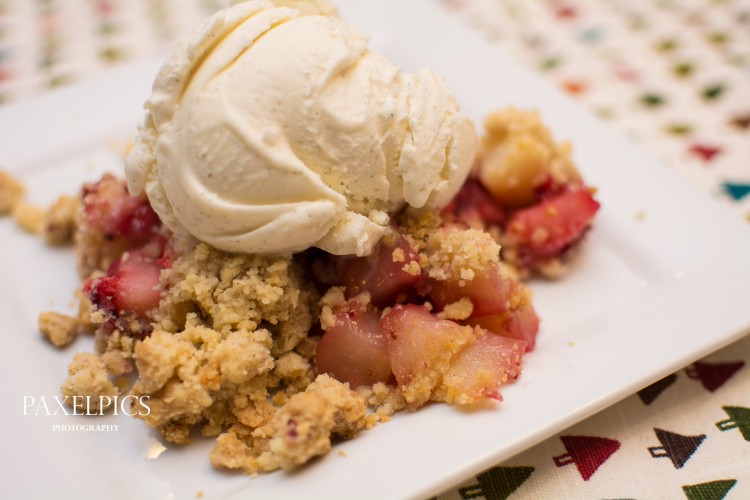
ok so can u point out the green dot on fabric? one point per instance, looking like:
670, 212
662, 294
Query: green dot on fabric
683, 69
550, 63
713, 92
651, 100
667, 45
678, 129
111, 54
718, 38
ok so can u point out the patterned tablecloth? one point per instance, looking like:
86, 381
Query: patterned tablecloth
673, 75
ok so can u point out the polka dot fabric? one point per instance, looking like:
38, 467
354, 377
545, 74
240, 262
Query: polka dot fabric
674, 75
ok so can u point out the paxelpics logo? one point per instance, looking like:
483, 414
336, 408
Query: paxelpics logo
86, 405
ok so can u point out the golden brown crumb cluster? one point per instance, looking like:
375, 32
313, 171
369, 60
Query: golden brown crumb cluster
230, 348
384, 399
303, 427
333, 297
229, 355
89, 380
29, 217
458, 255
58, 328
116, 349
11, 192
59, 224
459, 310
297, 432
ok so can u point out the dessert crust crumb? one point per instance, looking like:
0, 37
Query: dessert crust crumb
456, 254
29, 217
61, 330
385, 400
333, 298
230, 346
553, 268
460, 310
87, 376
11, 193
302, 429
299, 431
59, 224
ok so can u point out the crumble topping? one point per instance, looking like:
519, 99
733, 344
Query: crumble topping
459, 310
59, 223
384, 399
29, 217
299, 431
398, 255
333, 298
303, 428
11, 193
552, 268
87, 376
230, 345
59, 329
238, 292
116, 350
455, 254
85, 313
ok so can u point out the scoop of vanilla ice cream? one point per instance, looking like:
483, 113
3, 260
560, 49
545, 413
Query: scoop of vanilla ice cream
272, 130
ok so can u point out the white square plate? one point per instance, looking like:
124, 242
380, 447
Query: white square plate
646, 296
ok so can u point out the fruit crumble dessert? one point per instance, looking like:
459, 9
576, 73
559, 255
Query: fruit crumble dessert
305, 245
526, 191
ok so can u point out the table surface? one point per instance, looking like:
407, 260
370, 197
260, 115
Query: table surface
673, 75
